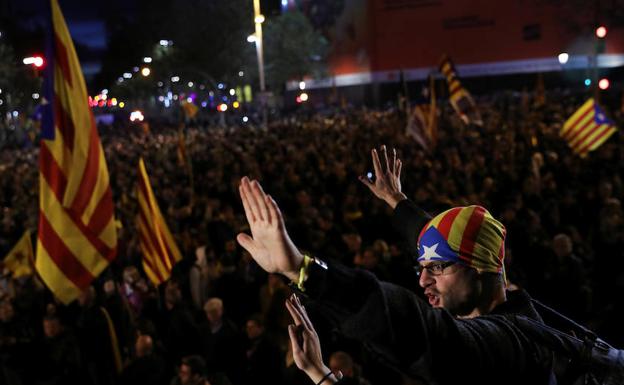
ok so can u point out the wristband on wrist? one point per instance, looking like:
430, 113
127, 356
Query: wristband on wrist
303, 271
325, 377
305, 267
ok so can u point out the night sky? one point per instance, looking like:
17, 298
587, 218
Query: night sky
85, 22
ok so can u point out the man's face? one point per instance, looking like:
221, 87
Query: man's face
185, 374
51, 327
453, 287
253, 329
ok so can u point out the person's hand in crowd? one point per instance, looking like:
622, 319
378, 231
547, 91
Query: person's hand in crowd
269, 243
387, 183
306, 346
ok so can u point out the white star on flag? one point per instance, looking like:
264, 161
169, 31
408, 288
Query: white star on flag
430, 252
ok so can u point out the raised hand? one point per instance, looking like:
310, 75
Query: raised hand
306, 346
387, 184
269, 244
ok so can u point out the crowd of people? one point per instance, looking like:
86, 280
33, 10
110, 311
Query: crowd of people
221, 319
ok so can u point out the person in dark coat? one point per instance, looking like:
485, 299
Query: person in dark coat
147, 367
222, 342
416, 339
264, 363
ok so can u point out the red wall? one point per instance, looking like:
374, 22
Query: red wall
392, 34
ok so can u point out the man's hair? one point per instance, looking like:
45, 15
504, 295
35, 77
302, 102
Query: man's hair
213, 303
257, 318
196, 364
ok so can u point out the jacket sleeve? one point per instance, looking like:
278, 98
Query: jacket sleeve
406, 333
408, 220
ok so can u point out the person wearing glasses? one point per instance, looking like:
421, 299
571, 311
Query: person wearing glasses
468, 332
460, 252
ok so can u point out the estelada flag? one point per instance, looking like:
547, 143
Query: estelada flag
587, 128
77, 238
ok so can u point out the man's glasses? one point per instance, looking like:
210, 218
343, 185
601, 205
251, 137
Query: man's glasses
435, 268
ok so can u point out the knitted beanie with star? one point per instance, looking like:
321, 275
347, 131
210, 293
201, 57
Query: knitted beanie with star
468, 235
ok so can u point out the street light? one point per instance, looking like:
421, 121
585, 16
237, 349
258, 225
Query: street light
37, 61
563, 58
258, 20
603, 84
601, 32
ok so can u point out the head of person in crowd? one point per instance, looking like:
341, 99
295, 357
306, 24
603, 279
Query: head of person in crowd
131, 275
342, 362
369, 259
562, 245
173, 293
87, 297
192, 370
6, 311
214, 310
460, 256
52, 326
254, 328
143, 346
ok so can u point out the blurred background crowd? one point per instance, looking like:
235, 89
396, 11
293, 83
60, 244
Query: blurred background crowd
221, 315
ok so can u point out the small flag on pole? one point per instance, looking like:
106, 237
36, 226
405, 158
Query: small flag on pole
160, 252
460, 98
587, 128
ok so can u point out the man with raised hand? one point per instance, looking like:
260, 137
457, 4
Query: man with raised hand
403, 330
489, 335
460, 252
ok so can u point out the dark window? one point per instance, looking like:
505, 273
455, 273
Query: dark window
532, 32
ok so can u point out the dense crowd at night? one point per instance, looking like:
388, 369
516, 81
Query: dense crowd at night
221, 313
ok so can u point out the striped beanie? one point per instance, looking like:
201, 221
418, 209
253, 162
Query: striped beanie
468, 235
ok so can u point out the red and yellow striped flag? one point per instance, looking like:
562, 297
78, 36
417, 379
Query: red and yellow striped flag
77, 237
460, 98
587, 128
160, 252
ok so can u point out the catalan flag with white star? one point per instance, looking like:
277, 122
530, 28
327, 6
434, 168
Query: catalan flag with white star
468, 235
77, 238
587, 128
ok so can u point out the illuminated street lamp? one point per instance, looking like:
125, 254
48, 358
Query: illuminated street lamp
37, 61
145, 71
601, 32
563, 58
258, 20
